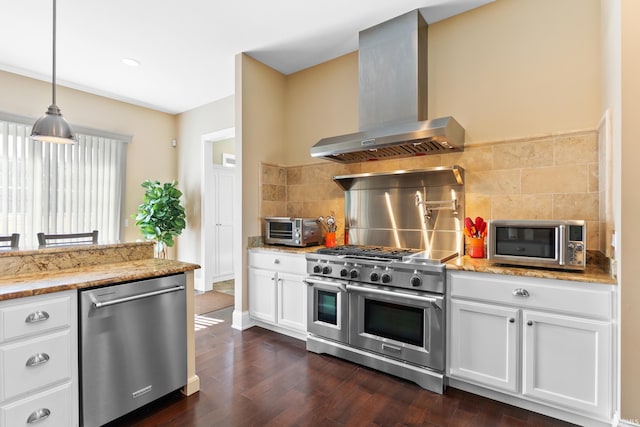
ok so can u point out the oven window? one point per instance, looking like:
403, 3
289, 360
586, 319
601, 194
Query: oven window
535, 242
397, 322
281, 230
327, 307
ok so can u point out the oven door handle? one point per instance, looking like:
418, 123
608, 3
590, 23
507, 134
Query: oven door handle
433, 301
312, 281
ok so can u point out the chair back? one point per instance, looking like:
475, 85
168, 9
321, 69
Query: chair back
49, 240
10, 242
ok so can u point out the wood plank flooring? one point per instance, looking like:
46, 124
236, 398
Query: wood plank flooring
260, 378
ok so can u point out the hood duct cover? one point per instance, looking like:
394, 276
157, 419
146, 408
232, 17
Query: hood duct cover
393, 99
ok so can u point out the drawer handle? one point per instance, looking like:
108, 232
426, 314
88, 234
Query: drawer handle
38, 415
37, 359
276, 261
391, 347
520, 292
530, 323
512, 320
37, 316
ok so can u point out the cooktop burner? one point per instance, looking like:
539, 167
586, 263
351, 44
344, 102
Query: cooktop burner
369, 251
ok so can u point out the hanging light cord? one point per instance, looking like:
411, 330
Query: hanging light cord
54, 54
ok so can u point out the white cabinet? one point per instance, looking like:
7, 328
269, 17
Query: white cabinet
38, 360
277, 292
539, 340
484, 344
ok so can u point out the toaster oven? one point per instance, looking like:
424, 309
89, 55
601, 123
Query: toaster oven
292, 231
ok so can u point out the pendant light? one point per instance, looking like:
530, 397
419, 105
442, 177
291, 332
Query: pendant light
52, 127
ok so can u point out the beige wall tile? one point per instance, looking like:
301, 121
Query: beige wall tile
294, 175
576, 206
576, 149
477, 205
522, 206
420, 162
272, 174
493, 182
270, 208
523, 154
565, 179
380, 166
593, 178
477, 158
274, 193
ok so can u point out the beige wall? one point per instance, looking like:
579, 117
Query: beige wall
630, 206
149, 156
260, 92
192, 125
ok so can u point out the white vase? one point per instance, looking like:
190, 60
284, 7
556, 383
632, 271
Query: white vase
160, 250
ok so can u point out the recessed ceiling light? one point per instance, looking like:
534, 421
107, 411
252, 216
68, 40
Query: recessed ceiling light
130, 62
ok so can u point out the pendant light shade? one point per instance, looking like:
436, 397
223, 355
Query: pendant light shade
52, 127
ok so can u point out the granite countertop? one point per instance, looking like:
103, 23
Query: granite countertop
42, 271
592, 274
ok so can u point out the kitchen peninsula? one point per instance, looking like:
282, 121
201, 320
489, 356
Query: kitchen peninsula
45, 282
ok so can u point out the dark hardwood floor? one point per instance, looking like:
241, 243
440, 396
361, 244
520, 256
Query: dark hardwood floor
261, 378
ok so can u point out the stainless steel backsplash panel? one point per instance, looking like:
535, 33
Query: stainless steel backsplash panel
375, 215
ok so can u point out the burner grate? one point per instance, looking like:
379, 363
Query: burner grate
368, 251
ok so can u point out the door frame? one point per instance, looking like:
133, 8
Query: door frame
206, 243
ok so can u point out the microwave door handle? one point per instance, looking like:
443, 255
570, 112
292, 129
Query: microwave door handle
562, 244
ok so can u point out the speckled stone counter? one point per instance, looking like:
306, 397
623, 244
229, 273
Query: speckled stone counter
592, 274
34, 272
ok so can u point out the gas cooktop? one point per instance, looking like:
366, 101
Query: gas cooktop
389, 253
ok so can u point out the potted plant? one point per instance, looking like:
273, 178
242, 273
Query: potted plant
161, 217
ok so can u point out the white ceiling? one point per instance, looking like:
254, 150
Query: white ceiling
186, 47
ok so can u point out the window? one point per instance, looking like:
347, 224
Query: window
59, 188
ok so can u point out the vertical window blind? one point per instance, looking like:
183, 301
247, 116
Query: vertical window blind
60, 188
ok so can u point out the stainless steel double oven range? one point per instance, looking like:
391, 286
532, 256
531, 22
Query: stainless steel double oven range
379, 307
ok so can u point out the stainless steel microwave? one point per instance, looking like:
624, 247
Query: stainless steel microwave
292, 231
537, 243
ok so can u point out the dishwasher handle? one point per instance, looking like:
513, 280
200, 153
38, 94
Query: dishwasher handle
99, 304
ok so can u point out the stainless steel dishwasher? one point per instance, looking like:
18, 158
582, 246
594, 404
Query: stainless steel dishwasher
133, 346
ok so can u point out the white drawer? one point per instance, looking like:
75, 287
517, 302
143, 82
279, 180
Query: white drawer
278, 261
19, 378
583, 299
56, 401
28, 316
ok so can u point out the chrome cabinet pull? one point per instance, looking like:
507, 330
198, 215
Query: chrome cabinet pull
276, 261
37, 316
38, 415
37, 359
520, 292
512, 320
530, 323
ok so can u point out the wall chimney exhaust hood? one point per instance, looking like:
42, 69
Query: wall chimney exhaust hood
393, 99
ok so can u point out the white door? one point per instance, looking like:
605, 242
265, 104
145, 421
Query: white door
224, 219
484, 344
567, 361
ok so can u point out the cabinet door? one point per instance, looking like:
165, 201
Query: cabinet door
292, 301
262, 295
567, 361
484, 344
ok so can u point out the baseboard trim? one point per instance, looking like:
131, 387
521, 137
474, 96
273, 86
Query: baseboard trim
629, 423
241, 320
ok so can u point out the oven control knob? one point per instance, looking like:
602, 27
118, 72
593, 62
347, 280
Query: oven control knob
386, 278
374, 277
353, 273
416, 281
317, 269
344, 272
326, 270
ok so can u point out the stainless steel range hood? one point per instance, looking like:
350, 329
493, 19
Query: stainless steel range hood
393, 99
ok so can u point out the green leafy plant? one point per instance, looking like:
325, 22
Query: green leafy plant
161, 217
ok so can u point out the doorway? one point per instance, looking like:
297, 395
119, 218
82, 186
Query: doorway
218, 219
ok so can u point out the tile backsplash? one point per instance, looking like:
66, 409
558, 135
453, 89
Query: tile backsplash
554, 176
